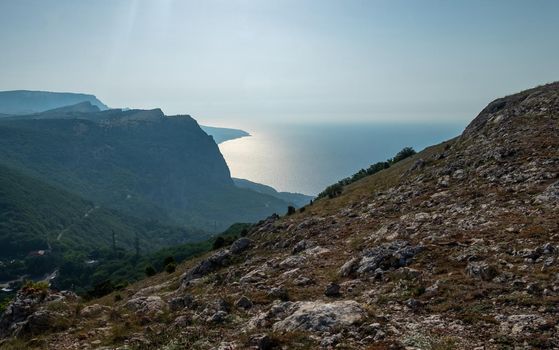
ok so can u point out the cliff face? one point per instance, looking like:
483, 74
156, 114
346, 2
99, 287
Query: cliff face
455, 247
141, 162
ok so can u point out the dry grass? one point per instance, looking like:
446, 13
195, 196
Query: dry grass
369, 185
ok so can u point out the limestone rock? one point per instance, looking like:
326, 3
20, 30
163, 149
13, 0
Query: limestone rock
206, 266
244, 303
320, 316
240, 245
151, 305
332, 290
481, 270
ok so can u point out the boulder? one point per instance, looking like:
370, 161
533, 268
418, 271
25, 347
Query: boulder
302, 281
181, 302
349, 266
218, 317
549, 196
300, 246
332, 290
321, 317
254, 276
387, 256
42, 320
240, 245
278, 293
263, 342
293, 261
182, 321
94, 310
481, 270
151, 305
206, 266
521, 325
243, 303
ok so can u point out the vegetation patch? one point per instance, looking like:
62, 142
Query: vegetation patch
336, 189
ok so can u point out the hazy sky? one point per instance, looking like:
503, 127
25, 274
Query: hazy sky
230, 62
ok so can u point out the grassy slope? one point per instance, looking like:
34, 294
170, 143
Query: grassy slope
34, 214
366, 187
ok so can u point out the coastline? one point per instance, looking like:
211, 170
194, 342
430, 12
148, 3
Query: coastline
222, 135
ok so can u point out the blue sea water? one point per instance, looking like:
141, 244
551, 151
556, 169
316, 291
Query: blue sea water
306, 158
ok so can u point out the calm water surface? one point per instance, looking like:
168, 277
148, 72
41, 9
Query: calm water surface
307, 158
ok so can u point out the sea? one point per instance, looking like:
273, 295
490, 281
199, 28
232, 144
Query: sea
306, 158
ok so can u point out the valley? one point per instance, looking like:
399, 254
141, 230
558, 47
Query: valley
91, 194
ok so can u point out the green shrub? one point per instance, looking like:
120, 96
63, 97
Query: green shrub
291, 210
4, 304
101, 289
169, 260
150, 271
403, 154
218, 243
332, 191
30, 287
336, 189
171, 267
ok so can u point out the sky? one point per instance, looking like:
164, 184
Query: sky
234, 62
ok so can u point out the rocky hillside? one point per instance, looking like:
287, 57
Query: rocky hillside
454, 248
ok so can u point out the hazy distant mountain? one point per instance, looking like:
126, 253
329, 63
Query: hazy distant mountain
296, 199
224, 134
27, 102
59, 113
141, 162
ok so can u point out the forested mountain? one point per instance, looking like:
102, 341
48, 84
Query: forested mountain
140, 162
40, 224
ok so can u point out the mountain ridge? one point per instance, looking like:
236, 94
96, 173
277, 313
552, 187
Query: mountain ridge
455, 247
296, 199
34, 101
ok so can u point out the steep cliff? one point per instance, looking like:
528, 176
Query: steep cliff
141, 162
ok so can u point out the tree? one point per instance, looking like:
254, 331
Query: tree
403, 154
332, 191
169, 260
171, 267
218, 243
101, 289
290, 210
150, 271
